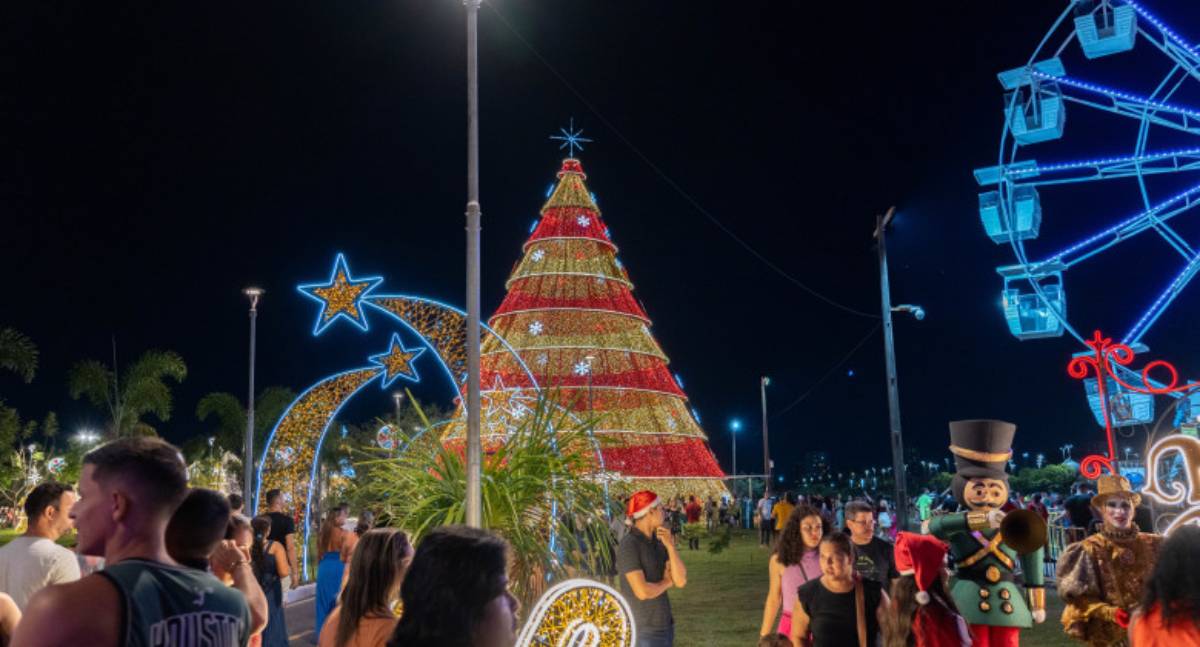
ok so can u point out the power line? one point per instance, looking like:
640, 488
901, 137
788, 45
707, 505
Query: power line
828, 373
671, 183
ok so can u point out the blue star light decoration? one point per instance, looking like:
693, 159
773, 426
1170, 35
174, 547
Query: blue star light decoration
571, 138
341, 296
397, 362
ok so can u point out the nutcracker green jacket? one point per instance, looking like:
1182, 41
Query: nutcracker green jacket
984, 585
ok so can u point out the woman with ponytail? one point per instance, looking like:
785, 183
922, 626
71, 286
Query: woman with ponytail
270, 563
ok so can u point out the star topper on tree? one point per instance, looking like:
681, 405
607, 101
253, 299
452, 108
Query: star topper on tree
571, 138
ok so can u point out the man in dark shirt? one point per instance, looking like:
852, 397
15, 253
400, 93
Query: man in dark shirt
874, 558
1079, 507
283, 530
649, 564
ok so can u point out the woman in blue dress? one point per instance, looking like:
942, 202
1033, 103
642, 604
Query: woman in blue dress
270, 562
331, 544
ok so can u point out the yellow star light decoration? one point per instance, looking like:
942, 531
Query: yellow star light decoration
341, 296
397, 362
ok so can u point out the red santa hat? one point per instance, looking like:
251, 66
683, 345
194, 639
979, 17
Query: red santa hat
922, 557
640, 504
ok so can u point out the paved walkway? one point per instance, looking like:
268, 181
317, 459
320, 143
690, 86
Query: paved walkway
300, 617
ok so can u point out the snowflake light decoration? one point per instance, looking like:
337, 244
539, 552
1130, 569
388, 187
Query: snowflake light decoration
536, 328
538, 255
582, 368
583, 221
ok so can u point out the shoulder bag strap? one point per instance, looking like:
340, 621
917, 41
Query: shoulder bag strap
860, 611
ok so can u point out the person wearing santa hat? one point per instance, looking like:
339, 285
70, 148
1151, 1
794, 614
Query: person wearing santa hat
922, 613
649, 565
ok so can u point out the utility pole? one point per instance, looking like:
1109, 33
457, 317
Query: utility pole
474, 502
763, 383
889, 350
248, 449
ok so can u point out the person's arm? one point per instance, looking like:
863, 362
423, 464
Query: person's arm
281, 560
236, 562
290, 542
881, 611
10, 617
774, 593
54, 615
644, 590
799, 625
676, 571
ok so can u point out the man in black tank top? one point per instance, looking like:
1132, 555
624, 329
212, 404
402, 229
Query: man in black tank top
128, 490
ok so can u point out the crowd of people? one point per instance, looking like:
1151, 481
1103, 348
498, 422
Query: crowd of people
159, 563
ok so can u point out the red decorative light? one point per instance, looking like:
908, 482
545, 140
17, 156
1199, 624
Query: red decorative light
1105, 354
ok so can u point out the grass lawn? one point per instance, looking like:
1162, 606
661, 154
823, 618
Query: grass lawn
722, 604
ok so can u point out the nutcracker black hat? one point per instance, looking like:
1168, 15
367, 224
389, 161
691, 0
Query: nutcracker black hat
982, 448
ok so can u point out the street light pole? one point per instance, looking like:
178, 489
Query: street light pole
889, 351
474, 512
248, 453
398, 397
762, 384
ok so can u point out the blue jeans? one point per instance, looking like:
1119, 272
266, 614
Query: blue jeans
656, 637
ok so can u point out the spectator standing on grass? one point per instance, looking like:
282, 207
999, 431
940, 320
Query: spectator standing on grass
364, 616
283, 530
128, 490
33, 560
455, 593
1079, 509
922, 614
873, 557
796, 561
782, 510
648, 565
766, 522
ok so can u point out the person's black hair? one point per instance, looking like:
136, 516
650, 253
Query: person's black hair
43, 496
261, 526
1174, 586
198, 525
152, 467
236, 501
456, 572
273, 496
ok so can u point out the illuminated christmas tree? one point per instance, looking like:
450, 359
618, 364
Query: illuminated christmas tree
571, 315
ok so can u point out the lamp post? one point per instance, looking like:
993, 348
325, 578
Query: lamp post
248, 457
889, 351
735, 426
763, 383
474, 512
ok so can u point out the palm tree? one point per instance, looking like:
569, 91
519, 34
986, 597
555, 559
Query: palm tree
18, 353
230, 415
128, 397
541, 491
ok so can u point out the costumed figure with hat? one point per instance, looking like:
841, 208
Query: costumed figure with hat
986, 544
923, 613
1101, 577
648, 564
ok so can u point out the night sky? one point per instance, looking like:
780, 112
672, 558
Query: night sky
158, 157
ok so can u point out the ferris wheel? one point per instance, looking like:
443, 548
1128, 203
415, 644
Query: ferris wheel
1123, 171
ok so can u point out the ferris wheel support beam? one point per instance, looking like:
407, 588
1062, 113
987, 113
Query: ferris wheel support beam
1176, 117
1036, 175
1155, 216
1163, 301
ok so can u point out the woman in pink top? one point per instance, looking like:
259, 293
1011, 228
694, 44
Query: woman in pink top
795, 561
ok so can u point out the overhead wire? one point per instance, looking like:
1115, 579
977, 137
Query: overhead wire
671, 183
845, 358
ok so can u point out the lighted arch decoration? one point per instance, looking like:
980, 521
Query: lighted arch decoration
289, 459
580, 613
1182, 489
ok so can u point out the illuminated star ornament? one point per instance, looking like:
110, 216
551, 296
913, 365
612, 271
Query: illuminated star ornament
397, 362
571, 138
341, 296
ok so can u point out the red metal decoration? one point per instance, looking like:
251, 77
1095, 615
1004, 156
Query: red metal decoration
1106, 353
